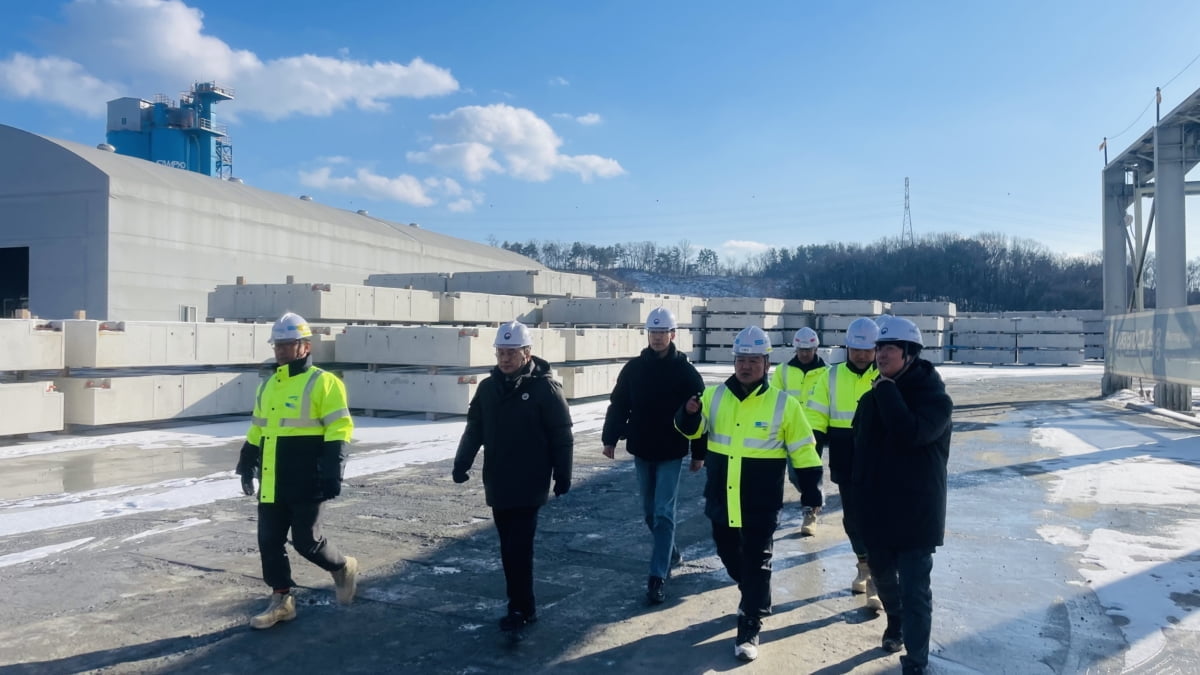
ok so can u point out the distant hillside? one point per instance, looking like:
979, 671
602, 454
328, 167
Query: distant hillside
693, 286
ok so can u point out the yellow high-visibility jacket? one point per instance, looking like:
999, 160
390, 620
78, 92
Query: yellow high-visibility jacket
797, 383
753, 440
301, 420
834, 396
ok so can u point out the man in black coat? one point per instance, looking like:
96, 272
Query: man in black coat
641, 409
901, 446
522, 420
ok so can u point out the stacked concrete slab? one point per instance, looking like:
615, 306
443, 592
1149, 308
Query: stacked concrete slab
934, 320
1030, 340
724, 318
32, 355
530, 283
834, 316
321, 302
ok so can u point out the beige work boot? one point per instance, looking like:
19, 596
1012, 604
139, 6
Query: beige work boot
282, 608
873, 601
810, 521
346, 581
859, 585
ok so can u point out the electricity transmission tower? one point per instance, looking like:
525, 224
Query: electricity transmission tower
906, 233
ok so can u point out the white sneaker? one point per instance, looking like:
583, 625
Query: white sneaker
346, 581
282, 608
747, 651
859, 585
873, 601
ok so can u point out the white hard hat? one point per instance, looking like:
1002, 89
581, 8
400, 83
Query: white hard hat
751, 341
660, 318
899, 329
513, 334
862, 334
290, 326
806, 338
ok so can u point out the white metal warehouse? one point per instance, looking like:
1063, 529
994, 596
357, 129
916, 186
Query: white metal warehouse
121, 238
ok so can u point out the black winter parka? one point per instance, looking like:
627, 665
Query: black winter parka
901, 447
524, 426
643, 402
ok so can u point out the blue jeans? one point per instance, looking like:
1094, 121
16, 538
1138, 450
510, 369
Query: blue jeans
902, 579
658, 483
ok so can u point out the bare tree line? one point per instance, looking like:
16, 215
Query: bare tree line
987, 272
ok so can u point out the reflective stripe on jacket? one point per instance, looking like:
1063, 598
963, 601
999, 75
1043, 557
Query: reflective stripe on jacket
310, 405
767, 425
797, 383
834, 397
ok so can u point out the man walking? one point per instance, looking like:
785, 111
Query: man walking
296, 447
797, 377
642, 406
830, 411
754, 432
521, 419
902, 444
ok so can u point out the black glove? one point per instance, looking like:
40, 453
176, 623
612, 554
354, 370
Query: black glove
248, 485
561, 487
331, 487
460, 476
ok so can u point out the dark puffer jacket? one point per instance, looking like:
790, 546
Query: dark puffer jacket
901, 446
643, 402
524, 426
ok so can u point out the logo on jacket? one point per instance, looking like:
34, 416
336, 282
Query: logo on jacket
291, 402
759, 424
525, 396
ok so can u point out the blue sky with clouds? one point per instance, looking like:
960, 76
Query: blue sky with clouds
734, 126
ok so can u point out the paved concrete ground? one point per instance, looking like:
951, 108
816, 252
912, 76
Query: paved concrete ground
431, 589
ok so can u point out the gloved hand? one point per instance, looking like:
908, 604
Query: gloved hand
460, 476
248, 485
561, 487
331, 487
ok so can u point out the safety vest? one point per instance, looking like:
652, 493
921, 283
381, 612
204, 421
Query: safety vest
796, 382
767, 424
312, 403
834, 397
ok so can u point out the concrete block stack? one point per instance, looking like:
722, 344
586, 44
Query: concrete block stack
834, 316
934, 320
1021, 338
33, 354
723, 318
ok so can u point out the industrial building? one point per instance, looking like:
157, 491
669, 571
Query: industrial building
131, 238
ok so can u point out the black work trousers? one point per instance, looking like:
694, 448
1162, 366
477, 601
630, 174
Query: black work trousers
851, 517
516, 528
304, 521
902, 579
746, 552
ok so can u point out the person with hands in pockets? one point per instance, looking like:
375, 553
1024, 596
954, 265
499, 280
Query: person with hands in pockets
296, 448
754, 432
901, 447
521, 419
641, 409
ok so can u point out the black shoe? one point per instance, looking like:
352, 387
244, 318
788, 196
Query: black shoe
676, 558
745, 646
656, 592
517, 620
893, 636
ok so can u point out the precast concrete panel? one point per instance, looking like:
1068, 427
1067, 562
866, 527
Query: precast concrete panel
1050, 341
411, 392
429, 281
746, 305
120, 400
836, 323
30, 407
725, 338
125, 344
984, 325
595, 344
832, 355
910, 309
740, 321
684, 340
611, 311
30, 344
797, 306
584, 381
795, 322
1059, 357
416, 345
849, 307
546, 283
988, 340
465, 307
988, 356
929, 323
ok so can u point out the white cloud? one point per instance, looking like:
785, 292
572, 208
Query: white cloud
589, 119
403, 188
157, 45
739, 248
559, 81
502, 139
56, 80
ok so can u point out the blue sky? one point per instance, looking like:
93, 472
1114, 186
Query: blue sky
733, 126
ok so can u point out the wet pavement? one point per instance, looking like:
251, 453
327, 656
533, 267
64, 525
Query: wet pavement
162, 573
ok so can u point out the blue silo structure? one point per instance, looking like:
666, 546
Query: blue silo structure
183, 136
